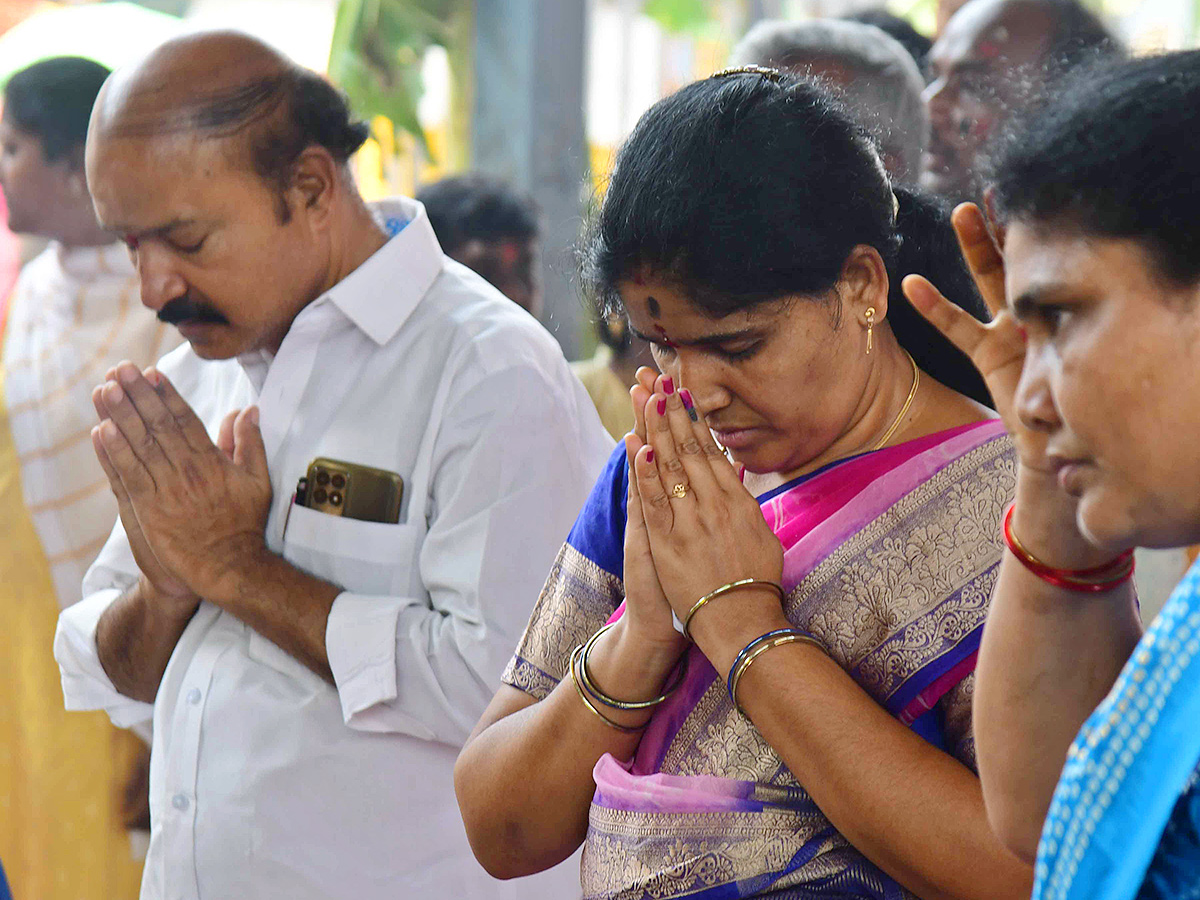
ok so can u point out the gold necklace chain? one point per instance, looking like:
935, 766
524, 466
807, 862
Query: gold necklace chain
907, 403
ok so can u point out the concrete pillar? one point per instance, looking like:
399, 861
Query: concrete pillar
527, 126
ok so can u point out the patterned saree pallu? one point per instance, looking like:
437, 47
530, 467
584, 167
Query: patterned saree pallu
889, 560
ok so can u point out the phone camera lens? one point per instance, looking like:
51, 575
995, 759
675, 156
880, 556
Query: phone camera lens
335, 498
339, 481
322, 478
319, 495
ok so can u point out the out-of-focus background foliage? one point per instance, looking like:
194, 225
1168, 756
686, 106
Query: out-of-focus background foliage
540, 92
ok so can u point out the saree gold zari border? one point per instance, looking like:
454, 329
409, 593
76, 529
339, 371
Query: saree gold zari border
637, 855
917, 579
578, 598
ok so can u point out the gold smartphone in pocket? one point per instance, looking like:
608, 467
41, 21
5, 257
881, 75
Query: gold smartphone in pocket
352, 491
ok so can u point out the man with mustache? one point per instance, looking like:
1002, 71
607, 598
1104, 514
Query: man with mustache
186, 309
309, 675
992, 59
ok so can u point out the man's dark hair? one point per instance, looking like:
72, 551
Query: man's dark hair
52, 100
279, 117
1113, 155
917, 44
747, 188
466, 208
314, 114
1080, 38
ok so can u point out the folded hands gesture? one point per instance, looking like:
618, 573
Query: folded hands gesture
702, 528
194, 511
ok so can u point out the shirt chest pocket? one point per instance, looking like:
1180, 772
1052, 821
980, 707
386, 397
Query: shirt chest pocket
360, 557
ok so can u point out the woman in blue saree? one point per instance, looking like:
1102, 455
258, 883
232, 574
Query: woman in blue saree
1093, 367
812, 738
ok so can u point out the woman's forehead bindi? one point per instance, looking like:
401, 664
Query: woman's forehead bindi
655, 310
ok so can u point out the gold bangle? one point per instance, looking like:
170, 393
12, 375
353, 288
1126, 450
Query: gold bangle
725, 589
612, 702
624, 729
758, 651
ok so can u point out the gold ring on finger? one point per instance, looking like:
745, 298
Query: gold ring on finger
679, 491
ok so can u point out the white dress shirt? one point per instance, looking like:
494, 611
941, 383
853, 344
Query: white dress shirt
265, 780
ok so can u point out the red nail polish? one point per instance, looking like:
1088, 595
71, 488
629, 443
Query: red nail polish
686, 396
662, 407
650, 455
668, 385
1023, 333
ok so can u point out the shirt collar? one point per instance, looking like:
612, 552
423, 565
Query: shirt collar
381, 294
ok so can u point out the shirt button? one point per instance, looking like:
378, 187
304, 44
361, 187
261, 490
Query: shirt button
180, 802
193, 696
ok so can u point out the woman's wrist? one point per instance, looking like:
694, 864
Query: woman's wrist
626, 666
722, 628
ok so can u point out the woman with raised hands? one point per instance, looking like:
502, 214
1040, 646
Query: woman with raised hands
1092, 359
754, 678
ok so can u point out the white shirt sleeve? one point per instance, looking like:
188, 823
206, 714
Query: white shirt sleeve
514, 459
85, 684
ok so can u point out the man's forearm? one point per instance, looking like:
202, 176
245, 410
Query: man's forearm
284, 604
136, 636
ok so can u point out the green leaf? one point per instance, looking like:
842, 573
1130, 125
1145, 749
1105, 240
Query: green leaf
376, 54
679, 15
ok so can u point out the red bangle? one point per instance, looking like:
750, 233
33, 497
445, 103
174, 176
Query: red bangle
1095, 580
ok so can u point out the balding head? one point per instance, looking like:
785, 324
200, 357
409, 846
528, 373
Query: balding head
211, 80
223, 165
993, 57
225, 85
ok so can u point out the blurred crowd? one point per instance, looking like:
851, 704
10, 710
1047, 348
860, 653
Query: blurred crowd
328, 576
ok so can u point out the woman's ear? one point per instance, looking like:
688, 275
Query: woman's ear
863, 284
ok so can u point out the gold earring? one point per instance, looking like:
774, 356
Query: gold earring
870, 327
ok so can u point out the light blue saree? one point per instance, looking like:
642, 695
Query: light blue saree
1123, 821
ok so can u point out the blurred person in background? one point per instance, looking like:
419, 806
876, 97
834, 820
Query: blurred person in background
996, 60
337, 501
750, 234
491, 229
1088, 730
871, 71
487, 226
901, 29
992, 61
10, 260
73, 312
612, 371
